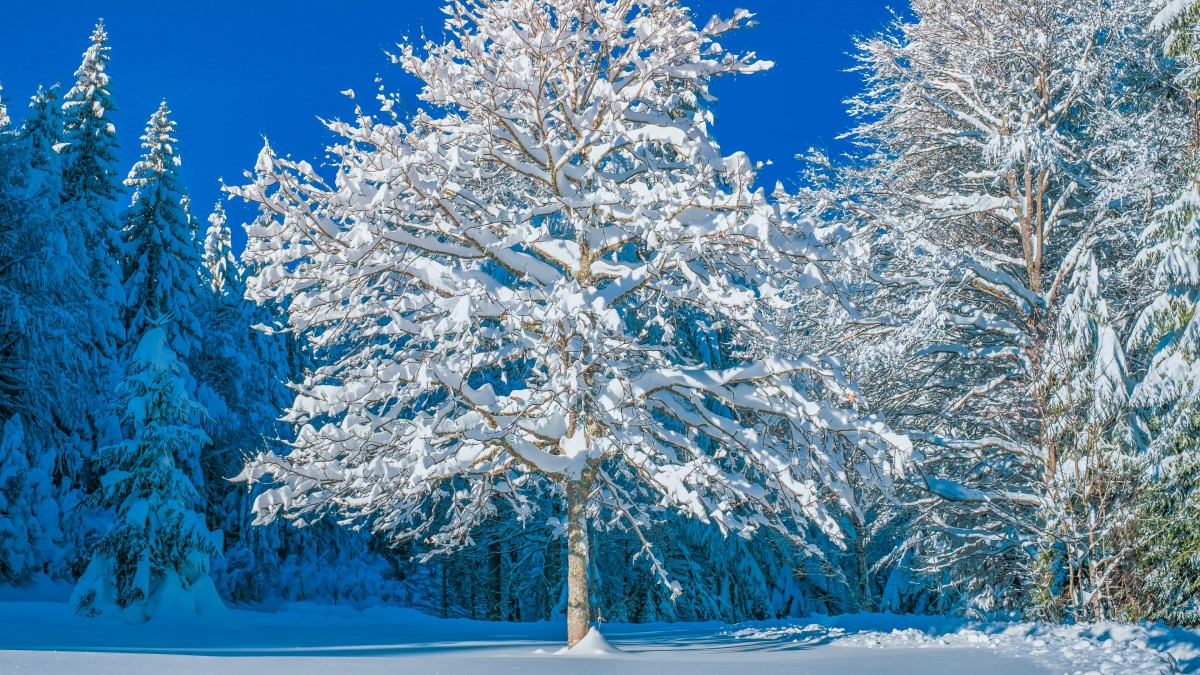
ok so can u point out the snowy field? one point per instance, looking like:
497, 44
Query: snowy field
44, 637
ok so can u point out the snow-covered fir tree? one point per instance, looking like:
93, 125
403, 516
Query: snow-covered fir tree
91, 187
43, 366
548, 229
154, 558
43, 131
222, 266
1169, 327
1167, 332
1179, 20
33, 348
1089, 498
162, 260
29, 514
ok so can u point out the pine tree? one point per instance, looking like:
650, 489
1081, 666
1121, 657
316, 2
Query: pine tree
162, 255
154, 559
1089, 510
90, 188
222, 266
1167, 332
43, 367
1180, 21
43, 131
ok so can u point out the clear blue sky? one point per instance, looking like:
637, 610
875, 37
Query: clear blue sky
236, 71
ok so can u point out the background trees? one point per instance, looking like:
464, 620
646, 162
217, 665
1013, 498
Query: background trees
1010, 159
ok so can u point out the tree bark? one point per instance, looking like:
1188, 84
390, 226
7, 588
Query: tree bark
579, 611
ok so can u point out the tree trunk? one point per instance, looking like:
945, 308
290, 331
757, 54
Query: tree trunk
579, 609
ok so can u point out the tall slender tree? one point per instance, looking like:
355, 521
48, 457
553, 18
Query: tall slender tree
91, 187
162, 263
223, 270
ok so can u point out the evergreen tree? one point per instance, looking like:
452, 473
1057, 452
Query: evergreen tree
1089, 500
29, 516
91, 188
1180, 22
88, 208
1167, 332
162, 255
154, 559
1169, 328
43, 368
43, 131
223, 270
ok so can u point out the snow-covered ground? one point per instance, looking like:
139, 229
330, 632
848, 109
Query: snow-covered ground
46, 637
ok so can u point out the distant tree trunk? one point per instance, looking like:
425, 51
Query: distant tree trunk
578, 601
495, 584
864, 601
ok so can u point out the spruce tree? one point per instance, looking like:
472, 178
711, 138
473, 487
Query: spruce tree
43, 365
1088, 501
1167, 333
91, 188
223, 272
154, 559
43, 133
29, 514
162, 255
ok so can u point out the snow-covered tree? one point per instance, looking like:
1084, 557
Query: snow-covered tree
44, 368
29, 516
241, 378
1180, 22
222, 266
566, 197
91, 187
163, 258
1090, 497
43, 131
88, 216
1169, 328
1000, 142
154, 559
1167, 333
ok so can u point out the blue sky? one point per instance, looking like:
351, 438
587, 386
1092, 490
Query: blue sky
236, 71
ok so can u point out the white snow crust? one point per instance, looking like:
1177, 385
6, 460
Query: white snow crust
45, 637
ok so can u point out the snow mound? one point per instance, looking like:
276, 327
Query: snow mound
592, 644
